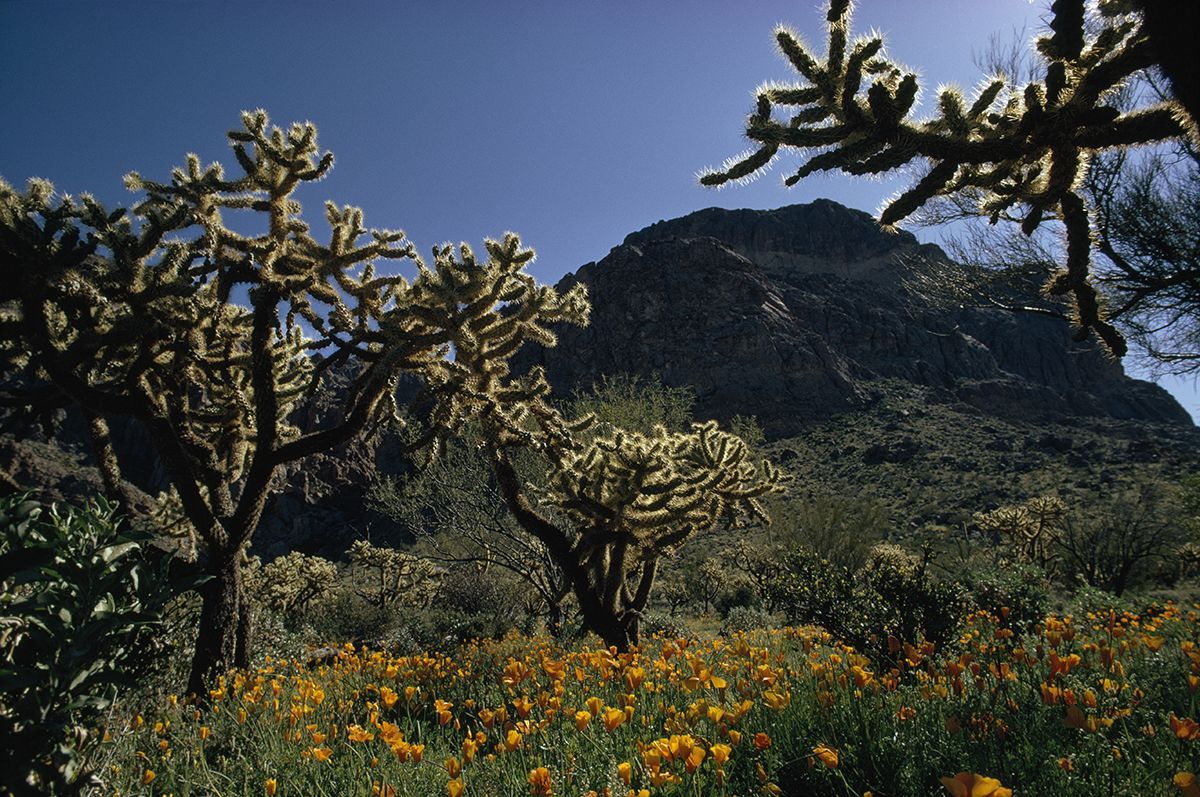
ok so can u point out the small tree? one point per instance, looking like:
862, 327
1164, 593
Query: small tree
129, 313
1031, 530
455, 506
455, 509
1112, 550
1017, 153
705, 582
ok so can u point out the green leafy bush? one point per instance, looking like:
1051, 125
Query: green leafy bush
81, 599
912, 603
1018, 593
893, 594
813, 590
744, 619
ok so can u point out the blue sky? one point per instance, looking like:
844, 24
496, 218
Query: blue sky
572, 123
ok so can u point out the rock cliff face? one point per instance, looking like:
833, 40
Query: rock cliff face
791, 314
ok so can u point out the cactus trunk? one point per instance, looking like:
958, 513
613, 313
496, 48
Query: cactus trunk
224, 636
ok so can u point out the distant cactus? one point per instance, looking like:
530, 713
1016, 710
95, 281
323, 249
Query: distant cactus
1032, 529
631, 499
292, 582
385, 576
1018, 152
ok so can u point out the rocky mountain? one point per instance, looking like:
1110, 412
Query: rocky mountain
796, 314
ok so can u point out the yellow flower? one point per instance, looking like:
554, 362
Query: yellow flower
539, 782
720, 754
388, 696
147, 776
453, 767
1186, 782
777, 700
322, 754
695, 759
613, 718
455, 788
625, 770
391, 733
827, 755
270, 786
359, 734
205, 732
1185, 729
968, 784
762, 741
582, 718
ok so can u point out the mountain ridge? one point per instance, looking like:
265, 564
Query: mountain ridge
831, 311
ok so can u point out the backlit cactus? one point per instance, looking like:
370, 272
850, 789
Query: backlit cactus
132, 313
1019, 152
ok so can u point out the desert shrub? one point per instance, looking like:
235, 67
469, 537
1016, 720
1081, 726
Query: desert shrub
893, 594
629, 401
914, 605
656, 623
749, 429
471, 604
81, 600
813, 590
840, 529
1125, 539
743, 619
346, 617
279, 636
1087, 600
737, 593
1018, 593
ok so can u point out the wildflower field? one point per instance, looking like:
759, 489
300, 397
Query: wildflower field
1102, 704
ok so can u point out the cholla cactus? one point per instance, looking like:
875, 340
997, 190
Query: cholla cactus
1032, 528
1020, 152
292, 582
887, 556
129, 313
631, 499
385, 576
